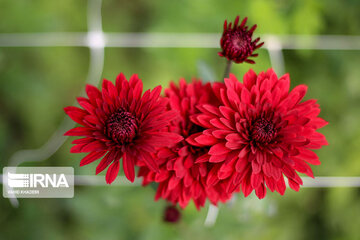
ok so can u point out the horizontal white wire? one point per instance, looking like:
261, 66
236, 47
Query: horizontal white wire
329, 182
171, 40
86, 180
318, 182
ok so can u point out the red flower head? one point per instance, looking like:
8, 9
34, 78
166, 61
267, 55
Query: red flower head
262, 132
184, 168
236, 42
120, 122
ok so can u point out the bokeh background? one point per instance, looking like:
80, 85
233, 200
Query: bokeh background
36, 83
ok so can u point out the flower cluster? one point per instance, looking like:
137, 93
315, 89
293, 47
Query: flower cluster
202, 141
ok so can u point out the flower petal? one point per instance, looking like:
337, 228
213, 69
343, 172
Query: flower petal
91, 157
112, 172
219, 149
129, 166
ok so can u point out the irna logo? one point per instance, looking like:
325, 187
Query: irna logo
16, 180
38, 182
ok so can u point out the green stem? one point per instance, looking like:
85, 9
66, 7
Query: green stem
227, 69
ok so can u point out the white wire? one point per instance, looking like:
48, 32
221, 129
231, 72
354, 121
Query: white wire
172, 40
86, 180
211, 216
274, 47
317, 182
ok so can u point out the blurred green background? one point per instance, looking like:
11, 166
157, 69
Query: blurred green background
36, 83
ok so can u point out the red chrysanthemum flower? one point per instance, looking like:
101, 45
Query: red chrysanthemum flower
261, 132
120, 122
184, 168
236, 42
